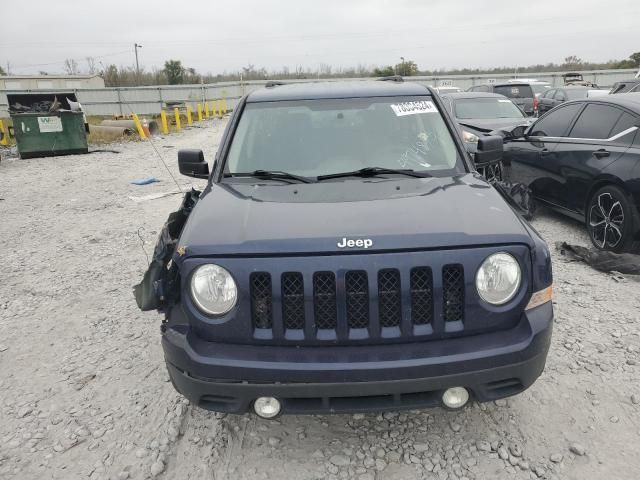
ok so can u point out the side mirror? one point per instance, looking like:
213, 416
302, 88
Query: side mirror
512, 133
490, 149
192, 164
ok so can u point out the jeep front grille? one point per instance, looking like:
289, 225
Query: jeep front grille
324, 300
421, 295
343, 302
356, 286
389, 297
292, 300
453, 290
261, 300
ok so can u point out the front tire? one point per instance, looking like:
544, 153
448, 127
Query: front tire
611, 220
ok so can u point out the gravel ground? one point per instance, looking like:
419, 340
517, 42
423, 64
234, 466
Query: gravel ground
85, 393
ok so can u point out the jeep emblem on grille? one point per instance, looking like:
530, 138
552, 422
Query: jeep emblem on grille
350, 243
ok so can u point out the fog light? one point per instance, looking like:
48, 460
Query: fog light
267, 407
456, 397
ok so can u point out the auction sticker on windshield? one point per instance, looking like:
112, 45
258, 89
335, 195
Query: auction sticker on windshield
413, 108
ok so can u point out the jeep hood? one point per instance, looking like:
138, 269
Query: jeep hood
395, 214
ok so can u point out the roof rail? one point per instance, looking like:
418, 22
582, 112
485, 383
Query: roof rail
273, 83
392, 78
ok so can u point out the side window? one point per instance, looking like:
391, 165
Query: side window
596, 121
625, 122
556, 123
560, 95
549, 93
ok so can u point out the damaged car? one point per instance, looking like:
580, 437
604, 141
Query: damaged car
345, 256
583, 159
480, 113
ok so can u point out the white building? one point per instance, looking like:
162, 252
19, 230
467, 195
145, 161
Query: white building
50, 82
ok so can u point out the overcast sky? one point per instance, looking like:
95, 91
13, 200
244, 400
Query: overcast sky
217, 36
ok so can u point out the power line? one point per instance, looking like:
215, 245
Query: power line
63, 61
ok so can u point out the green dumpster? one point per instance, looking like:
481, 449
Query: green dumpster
49, 134
47, 124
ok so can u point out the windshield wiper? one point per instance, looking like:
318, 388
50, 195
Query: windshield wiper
271, 174
373, 171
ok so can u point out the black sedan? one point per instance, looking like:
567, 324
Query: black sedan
478, 114
583, 159
555, 96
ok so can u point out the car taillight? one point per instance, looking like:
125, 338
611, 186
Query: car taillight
535, 102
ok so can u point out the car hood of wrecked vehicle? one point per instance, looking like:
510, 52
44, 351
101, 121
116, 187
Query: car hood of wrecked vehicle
394, 213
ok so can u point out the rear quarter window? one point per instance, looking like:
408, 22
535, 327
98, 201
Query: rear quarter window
596, 121
514, 91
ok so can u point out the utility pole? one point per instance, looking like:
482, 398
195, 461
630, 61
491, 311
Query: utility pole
136, 47
402, 66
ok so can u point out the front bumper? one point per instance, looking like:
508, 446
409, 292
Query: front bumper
341, 379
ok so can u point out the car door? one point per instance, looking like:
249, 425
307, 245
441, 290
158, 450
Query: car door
559, 97
533, 159
599, 136
545, 102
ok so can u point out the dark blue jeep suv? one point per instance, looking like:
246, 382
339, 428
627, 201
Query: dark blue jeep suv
345, 256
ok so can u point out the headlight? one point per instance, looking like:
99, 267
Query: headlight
468, 137
213, 289
498, 278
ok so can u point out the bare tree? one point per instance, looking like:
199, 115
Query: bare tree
71, 66
91, 65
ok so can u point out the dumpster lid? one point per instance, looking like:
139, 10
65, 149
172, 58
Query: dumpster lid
40, 102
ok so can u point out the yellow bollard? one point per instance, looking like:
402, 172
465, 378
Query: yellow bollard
176, 113
220, 112
213, 108
165, 125
138, 125
4, 134
206, 109
189, 119
224, 105
199, 112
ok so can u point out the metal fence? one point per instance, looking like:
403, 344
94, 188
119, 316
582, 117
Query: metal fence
151, 100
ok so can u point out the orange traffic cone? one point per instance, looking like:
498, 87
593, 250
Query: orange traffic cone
145, 127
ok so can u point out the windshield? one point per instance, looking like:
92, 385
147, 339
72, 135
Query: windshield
486, 108
321, 137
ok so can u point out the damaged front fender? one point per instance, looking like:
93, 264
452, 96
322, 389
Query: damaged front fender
160, 285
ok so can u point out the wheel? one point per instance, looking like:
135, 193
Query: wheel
611, 220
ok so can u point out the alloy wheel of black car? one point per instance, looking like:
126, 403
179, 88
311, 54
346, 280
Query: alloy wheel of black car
610, 221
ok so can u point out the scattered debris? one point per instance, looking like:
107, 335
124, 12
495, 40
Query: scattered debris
144, 181
154, 196
625, 263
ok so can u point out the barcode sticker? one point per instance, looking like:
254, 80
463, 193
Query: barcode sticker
413, 108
